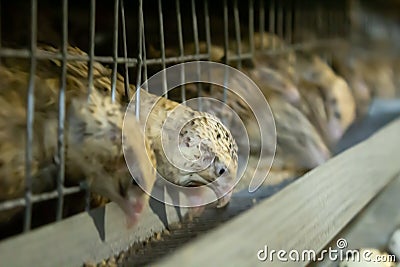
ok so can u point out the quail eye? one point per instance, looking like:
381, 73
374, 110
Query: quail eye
221, 171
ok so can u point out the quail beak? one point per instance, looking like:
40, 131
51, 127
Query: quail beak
133, 212
223, 190
223, 201
132, 207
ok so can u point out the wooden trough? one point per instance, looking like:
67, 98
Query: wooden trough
307, 214
352, 196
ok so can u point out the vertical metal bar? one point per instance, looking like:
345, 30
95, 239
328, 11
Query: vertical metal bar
125, 46
280, 19
30, 118
303, 23
226, 33
296, 20
251, 26
61, 113
161, 20
195, 28
181, 50
208, 38
115, 48
179, 24
208, 28
272, 21
139, 59
262, 24
144, 62
144, 59
91, 45
226, 48
288, 23
92, 35
237, 33
197, 50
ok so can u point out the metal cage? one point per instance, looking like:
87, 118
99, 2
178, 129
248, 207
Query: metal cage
123, 34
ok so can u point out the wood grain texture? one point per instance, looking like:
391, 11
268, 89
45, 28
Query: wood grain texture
306, 214
373, 227
85, 237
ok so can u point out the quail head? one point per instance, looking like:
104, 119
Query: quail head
192, 148
96, 151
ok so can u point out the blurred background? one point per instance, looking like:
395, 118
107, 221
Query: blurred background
330, 71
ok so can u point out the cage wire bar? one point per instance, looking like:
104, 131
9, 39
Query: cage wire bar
261, 17
226, 49
115, 49
61, 114
208, 28
251, 27
162, 46
181, 49
237, 33
197, 52
208, 34
92, 35
144, 55
125, 48
29, 119
139, 67
274, 17
289, 26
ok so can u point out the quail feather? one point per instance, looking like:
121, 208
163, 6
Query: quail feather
93, 144
299, 145
192, 148
209, 138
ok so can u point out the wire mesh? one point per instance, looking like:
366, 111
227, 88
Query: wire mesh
144, 26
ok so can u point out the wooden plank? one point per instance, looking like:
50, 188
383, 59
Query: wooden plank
306, 214
84, 237
373, 227
96, 236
